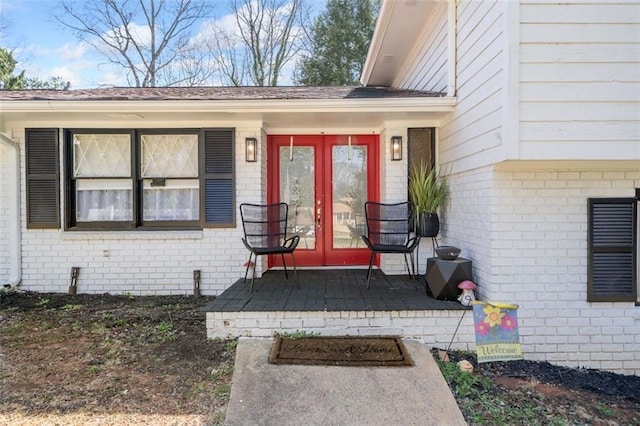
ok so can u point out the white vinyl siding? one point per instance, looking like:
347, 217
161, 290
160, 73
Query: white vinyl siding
428, 69
580, 81
471, 137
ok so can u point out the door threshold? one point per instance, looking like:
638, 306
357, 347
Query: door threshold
321, 268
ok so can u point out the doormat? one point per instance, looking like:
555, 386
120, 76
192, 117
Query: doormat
342, 351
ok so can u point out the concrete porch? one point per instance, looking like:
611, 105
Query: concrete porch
337, 302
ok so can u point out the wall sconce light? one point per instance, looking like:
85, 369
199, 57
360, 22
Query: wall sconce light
396, 148
251, 150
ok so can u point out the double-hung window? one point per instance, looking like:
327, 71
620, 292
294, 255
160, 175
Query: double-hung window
102, 177
169, 178
149, 179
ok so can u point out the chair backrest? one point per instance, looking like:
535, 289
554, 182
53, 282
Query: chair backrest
387, 224
264, 225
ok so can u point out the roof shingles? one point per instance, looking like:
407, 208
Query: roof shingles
213, 93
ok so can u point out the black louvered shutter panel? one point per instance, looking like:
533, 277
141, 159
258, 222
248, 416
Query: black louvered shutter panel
612, 250
218, 180
43, 179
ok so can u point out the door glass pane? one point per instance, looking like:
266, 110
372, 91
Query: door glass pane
349, 195
297, 190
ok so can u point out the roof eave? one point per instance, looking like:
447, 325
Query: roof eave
412, 104
382, 23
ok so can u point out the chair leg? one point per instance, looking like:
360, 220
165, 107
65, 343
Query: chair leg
406, 264
286, 275
434, 244
295, 272
412, 271
246, 271
413, 274
253, 277
370, 268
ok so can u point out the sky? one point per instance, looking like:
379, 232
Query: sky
45, 49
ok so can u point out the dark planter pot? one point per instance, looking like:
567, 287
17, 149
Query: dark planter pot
428, 225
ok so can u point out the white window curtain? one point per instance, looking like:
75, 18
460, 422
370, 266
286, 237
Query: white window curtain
169, 165
104, 181
178, 199
102, 168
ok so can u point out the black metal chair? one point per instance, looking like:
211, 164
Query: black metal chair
265, 232
388, 231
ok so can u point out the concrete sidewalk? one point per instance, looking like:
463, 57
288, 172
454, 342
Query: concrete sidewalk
266, 394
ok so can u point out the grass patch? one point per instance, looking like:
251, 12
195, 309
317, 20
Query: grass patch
222, 392
225, 370
461, 382
298, 334
605, 410
162, 332
98, 328
231, 345
42, 303
483, 402
71, 307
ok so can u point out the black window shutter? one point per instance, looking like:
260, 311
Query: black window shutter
612, 234
219, 179
43, 178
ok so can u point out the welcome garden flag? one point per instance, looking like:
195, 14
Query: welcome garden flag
497, 337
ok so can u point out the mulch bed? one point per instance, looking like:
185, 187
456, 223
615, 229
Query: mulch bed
341, 351
580, 379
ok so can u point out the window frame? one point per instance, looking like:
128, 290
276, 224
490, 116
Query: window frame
70, 185
136, 180
166, 224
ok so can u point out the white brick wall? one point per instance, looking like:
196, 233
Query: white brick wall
163, 262
393, 189
136, 263
541, 264
525, 229
154, 262
435, 328
465, 222
523, 226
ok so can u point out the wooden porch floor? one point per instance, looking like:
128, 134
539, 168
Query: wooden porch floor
329, 290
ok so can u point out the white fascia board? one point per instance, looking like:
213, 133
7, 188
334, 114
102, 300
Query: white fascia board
418, 104
382, 23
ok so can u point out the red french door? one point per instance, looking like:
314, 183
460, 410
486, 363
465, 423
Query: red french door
325, 180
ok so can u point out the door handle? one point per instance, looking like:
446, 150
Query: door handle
318, 213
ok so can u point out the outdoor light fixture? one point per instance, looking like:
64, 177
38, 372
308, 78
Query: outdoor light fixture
396, 148
251, 148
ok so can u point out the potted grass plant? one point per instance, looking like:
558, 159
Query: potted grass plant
427, 192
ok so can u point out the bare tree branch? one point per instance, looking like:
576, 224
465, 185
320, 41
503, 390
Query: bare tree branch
144, 37
268, 34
